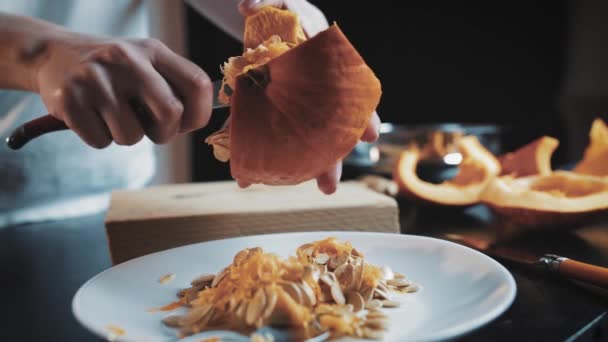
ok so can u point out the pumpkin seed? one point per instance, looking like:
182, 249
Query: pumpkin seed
205, 279
255, 307
293, 290
355, 299
375, 314
359, 269
241, 310
196, 314
412, 288
390, 303
337, 261
271, 302
307, 294
376, 323
373, 304
345, 274
219, 277
372, 334
382, 294
367, 293
173, 321
322, 258
383, 287
398, 282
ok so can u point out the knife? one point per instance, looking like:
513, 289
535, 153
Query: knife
48, 123
562, 266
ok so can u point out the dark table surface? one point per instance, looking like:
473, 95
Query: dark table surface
42, 266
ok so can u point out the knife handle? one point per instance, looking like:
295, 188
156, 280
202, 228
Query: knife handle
591, 274
33, 129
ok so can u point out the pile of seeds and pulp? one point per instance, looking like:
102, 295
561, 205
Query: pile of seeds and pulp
327, 287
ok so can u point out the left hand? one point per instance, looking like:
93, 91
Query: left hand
313, 21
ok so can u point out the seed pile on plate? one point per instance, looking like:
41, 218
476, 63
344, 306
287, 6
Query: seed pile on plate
327, 287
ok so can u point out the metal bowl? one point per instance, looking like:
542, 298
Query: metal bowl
438, 143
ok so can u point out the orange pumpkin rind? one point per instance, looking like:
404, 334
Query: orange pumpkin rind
297, 106
531, 159
477, 169
561, 198
595, 157
288, 126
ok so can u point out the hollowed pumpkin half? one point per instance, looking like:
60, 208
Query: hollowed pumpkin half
595, 158
531, 159
296, 116
560, 198
477, 168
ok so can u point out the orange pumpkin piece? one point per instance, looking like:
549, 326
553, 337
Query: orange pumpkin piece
271, 21
296, 113
477, 169
559, 198
531, 159
595, 158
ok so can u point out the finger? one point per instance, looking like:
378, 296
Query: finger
156, 104
328, 181
82, 119
119, 118
312, 19
123, 123
372, 131
249, 7
192, 85
242, 184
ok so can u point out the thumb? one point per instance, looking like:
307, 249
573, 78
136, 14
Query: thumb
249, 7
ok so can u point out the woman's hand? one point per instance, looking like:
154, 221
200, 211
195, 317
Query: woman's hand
122, 89
313, 21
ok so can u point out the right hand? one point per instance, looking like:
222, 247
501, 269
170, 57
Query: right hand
313, 21
98, 87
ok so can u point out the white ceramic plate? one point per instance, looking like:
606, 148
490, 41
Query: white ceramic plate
462, 289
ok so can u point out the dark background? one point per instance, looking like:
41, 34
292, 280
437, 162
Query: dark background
495, 62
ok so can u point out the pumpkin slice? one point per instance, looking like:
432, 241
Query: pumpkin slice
478, 167
296, 116
559, 198
595, 158
531, 159
271, 21
294, 111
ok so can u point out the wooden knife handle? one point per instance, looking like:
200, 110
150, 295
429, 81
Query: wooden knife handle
585, 272
33, 129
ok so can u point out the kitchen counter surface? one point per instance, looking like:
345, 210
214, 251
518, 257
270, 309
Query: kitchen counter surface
44, 264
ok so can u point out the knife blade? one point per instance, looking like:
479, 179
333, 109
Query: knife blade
48, 123
562, 266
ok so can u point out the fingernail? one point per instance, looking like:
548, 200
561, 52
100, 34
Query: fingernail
377, 124
329, 190
242, 184
251, 3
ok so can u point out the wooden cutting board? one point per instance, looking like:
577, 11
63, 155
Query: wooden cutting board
161, 217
